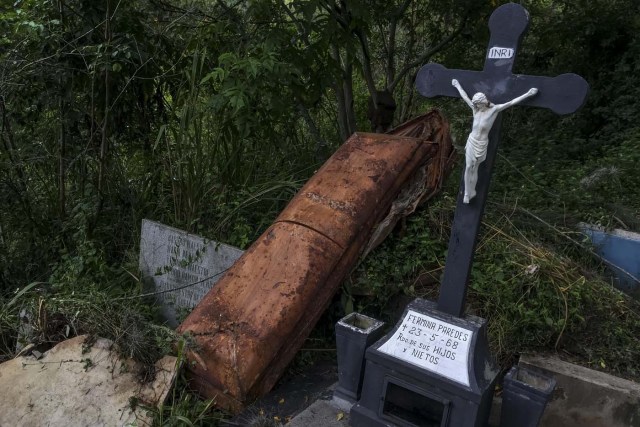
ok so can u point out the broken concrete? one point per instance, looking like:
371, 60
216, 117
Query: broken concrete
80, 383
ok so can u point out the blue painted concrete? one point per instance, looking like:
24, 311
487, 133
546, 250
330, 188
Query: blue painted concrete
622, 249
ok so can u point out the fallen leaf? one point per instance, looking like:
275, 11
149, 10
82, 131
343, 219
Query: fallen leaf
281, 401
531, 269
340, 416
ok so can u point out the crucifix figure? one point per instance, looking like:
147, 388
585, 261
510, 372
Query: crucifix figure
484, 114
562, 94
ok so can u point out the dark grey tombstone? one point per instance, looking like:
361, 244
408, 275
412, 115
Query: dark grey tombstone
414, 376
432, 369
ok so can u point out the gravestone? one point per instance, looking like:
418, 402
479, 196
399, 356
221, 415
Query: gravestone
434, 367
180, 268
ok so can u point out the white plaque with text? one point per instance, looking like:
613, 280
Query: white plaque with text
497, 52
181, 267
432, 344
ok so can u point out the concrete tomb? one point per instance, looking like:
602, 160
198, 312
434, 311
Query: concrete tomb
620, 250
432, 369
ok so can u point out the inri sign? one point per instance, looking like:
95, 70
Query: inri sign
500, 53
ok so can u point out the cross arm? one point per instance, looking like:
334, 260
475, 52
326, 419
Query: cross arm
435, 80
563, 94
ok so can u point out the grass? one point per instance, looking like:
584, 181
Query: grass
56, 314
536, 297
186, 409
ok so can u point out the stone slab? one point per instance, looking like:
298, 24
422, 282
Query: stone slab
80, 384
335, 412
181, 267
322, 413
299, 388
584, 397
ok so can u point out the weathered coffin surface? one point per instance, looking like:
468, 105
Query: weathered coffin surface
252, 323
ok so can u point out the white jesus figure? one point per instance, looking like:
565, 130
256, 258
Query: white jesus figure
484, 114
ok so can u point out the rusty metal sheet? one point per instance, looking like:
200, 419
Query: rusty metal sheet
255, 309
252, 323
344, 193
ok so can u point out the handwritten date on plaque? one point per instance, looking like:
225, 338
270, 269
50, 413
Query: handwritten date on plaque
432, 344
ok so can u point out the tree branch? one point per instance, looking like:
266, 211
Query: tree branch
332, 11
424, 57
366, 65
391, 49
343, 125
321, 143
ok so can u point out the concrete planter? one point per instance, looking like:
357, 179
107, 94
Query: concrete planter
354, 333
525, 397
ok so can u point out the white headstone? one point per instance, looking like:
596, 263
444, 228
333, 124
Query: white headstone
181, 267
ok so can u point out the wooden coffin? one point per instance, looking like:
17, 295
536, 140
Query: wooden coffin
252, 323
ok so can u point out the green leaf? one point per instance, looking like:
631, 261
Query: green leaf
184, 420
161, 133
24, 291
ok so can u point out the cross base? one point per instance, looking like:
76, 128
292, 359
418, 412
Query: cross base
442, 377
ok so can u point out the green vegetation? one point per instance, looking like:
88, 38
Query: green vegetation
537, 297
209, 116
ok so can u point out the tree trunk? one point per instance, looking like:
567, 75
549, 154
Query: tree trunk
344, 95
62, 141
104, 142
62, 136
6, 134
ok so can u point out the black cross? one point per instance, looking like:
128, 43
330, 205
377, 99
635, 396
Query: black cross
563, 94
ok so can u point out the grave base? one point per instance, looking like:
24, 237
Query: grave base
434, 386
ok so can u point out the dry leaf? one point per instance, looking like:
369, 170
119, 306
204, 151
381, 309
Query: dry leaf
531, 269
340, 416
